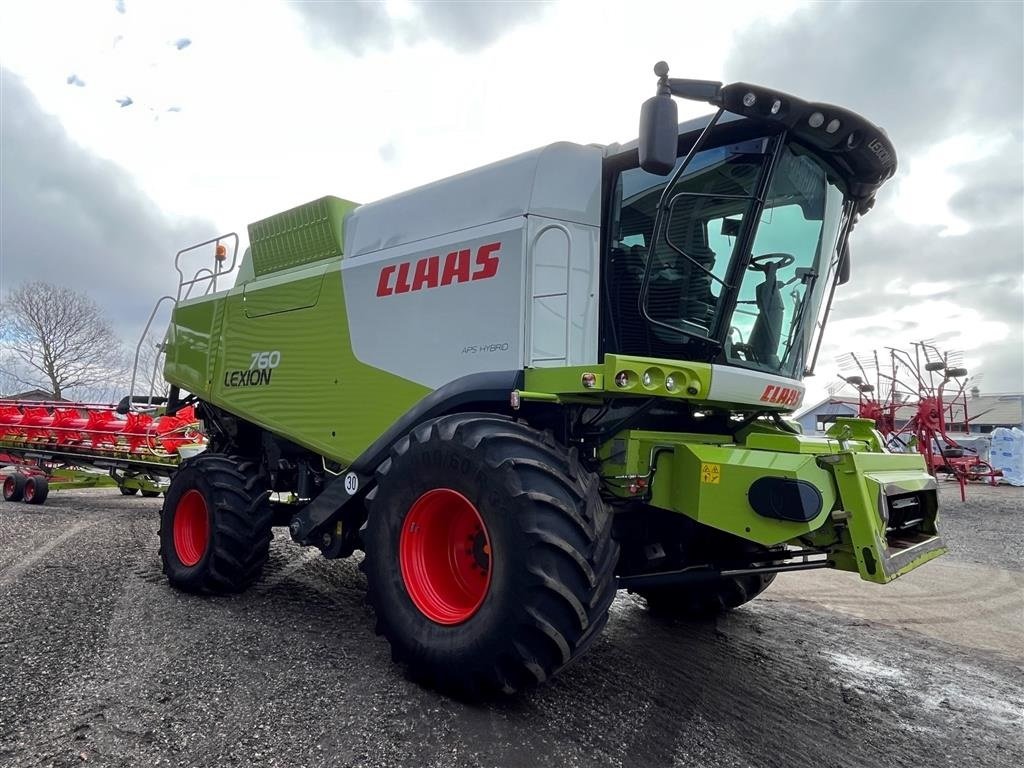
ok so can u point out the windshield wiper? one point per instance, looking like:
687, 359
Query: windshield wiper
796, 328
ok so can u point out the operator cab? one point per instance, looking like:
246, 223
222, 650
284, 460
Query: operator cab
728, 251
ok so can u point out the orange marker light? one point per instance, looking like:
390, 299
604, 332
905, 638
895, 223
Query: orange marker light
221, 253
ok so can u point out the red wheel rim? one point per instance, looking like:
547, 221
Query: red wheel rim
9, 485
445, 555
191, 528
30, 491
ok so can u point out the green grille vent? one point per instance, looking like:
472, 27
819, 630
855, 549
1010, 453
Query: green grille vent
302, 235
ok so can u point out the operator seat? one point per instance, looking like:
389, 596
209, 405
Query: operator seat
767, 331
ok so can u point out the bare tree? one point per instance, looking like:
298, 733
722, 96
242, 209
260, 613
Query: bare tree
58, 338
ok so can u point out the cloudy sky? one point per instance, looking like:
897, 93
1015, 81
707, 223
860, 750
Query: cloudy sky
241, 109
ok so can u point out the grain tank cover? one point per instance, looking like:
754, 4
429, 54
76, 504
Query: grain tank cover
299, 236
560, 181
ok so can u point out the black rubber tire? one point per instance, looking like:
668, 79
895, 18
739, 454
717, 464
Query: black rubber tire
14, 486
150, 494
127, 491
705, 599
553, 557
37, 488
235, 493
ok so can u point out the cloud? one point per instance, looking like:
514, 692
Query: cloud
946, 80
71, 218
922, 70
993, 187
466, 26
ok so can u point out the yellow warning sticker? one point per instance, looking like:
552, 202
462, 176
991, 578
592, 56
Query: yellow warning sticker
711, 473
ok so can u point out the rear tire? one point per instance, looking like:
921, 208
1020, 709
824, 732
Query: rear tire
14, 487
37, 488
703, 600
215, 525
530, 539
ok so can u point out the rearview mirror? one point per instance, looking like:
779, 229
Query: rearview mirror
659, 134
844, 265
731, 227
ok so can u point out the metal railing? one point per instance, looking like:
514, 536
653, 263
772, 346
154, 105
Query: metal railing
203, 276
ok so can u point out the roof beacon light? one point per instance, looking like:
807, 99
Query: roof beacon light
220, 253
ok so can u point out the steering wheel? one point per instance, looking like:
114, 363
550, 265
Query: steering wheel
762, 262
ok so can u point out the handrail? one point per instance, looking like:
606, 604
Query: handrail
142, 338
182, 282
184, 291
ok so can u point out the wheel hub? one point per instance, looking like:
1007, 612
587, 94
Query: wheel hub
191, 528
445, 556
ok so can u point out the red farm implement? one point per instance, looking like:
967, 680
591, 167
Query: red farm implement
915, 401
132, 445
82, 444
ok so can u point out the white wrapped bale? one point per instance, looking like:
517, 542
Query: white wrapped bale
1007, 454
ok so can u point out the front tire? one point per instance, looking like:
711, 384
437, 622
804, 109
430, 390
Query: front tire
704, 600
215, 525
489, 557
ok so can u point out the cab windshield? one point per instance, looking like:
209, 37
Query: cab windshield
716, 277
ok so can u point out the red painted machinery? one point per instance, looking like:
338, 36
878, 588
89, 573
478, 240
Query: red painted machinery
920, 421
136, 449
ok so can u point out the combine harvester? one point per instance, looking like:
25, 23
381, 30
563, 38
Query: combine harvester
77, 445
522, 388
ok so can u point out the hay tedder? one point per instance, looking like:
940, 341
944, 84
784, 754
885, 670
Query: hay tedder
61, 444
914, 399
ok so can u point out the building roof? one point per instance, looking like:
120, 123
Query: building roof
991, 410
983, 410
32, 394
831, 400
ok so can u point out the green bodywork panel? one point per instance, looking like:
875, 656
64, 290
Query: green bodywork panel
708, 478
316, 395
691, 381
299, 236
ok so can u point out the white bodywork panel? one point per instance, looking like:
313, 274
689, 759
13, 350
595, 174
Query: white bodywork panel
740, 385
563, 291
494, 269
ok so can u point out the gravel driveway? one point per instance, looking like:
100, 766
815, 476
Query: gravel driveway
101, 662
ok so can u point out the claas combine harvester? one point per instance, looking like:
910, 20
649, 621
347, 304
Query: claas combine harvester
522, 388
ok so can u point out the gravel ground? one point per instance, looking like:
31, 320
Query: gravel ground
101, 662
